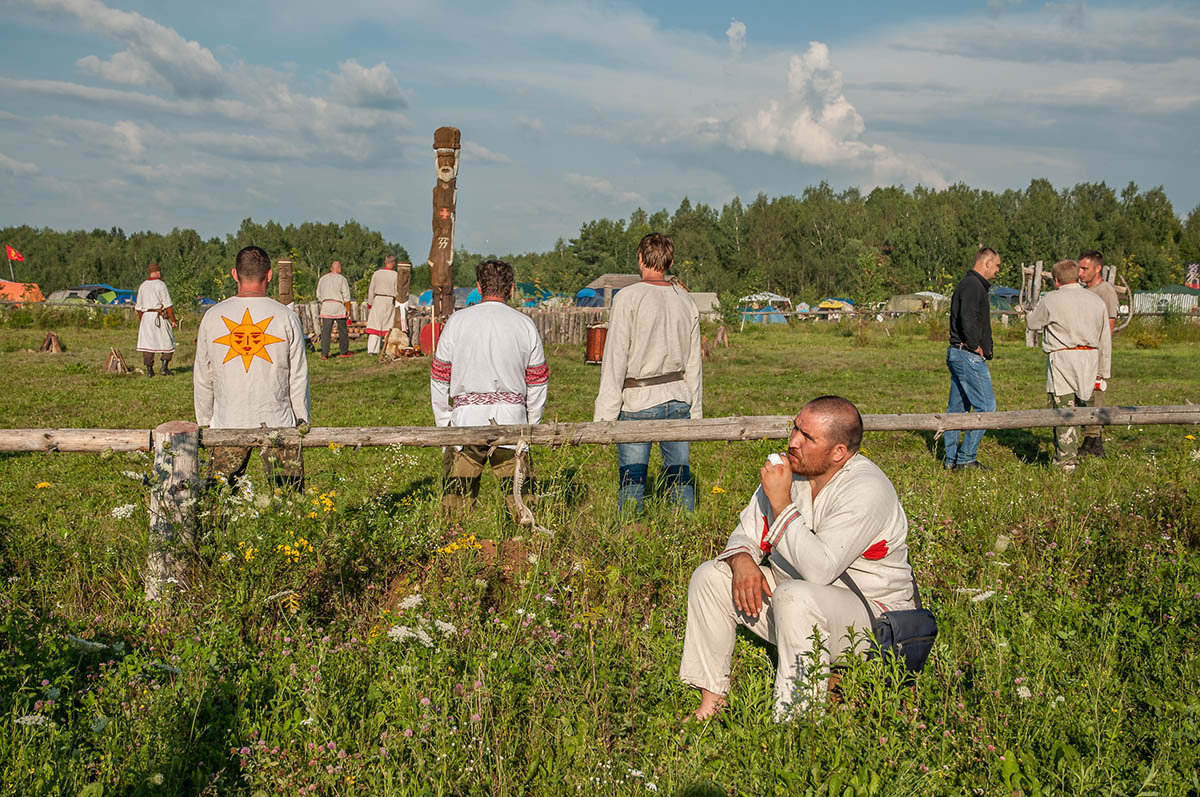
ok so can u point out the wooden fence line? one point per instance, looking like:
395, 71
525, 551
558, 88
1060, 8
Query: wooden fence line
750, 427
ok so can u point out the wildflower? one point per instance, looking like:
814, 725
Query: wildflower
411, 602
1024, 693
41, 485
446, 628
425, 701
32, 719
1002, 543
982, 596
475, 718
123, 511
717, 490
1189, 437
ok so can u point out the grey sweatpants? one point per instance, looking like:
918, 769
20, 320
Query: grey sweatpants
787, 619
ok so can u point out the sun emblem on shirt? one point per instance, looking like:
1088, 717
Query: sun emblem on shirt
247, 339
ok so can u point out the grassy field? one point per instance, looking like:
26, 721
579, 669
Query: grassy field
351, 641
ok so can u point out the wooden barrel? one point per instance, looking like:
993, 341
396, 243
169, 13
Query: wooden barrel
593, 352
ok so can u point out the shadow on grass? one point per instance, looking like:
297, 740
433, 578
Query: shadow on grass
1027, 447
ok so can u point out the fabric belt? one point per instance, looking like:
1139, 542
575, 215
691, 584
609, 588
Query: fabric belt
1077, 348
649, 381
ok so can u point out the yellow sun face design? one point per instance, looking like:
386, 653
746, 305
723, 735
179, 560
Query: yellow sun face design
247, 339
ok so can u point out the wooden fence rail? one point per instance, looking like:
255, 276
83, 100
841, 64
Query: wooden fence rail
750, 427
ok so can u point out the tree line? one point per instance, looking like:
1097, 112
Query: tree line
861, 246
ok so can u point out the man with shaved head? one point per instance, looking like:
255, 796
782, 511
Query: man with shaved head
828, 511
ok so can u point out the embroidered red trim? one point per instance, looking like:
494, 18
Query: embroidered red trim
488, 398
439, 370
765, 545
537, 374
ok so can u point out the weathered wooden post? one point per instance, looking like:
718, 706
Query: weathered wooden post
173, 491
284, 275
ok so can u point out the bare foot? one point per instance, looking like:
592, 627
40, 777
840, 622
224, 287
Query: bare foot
711, 704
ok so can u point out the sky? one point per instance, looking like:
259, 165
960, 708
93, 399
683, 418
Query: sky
151, 116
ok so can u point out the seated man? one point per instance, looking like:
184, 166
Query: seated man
828, 511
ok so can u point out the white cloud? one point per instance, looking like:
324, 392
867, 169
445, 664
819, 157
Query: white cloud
241, 146
17, 168
602, 187
481, 153
360, 87
815, 123
123, 140
737, 37
530, 125
154, 56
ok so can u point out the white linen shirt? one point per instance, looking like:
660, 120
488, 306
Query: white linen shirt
653, 330
154, 330
250, 366
381, 299
856, 525
489, 366
1068, 317
333, 291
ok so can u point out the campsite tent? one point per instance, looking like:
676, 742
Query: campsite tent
472, 298
764, 307
588, 298
426, 298
20, 292
92, 294
907, 303
1001, 297
836, 303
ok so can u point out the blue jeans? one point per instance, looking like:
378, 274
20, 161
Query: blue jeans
633, 460
970, 389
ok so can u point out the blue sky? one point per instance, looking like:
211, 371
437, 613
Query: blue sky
150, 115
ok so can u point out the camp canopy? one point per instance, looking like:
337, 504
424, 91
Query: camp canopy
764, 307
20, 292
836, 303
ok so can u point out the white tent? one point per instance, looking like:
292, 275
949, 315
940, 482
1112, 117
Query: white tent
766, 297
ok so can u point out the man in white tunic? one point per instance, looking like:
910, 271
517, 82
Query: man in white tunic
251, 371
651, 371
156, 318
489, 367
333, 294
383, 299
828, 511
1077, 339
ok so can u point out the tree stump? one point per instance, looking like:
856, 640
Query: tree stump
115, 363
52, 344
722, 337
173, 491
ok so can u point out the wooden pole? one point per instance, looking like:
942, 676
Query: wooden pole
737, 427
286, 295
173, 491
760, 427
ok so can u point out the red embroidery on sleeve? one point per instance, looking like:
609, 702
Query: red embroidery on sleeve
876, 551
537, 374
439, 370
764, 545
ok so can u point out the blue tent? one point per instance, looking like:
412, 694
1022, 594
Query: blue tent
589, 298
473, 297
1001, 297
426, 298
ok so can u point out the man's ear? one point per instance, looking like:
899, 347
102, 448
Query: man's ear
270, 274
233, 273
841, 453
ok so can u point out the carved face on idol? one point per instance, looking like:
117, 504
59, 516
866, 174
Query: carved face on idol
447, 164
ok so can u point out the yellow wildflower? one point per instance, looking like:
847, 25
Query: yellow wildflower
717, 490
41, 485
1185, 437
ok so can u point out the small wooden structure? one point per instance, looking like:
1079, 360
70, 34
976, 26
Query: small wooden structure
114, 363
52, 344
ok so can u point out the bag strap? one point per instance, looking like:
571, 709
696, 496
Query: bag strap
845, 577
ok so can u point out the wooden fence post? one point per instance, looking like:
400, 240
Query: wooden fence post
173, 491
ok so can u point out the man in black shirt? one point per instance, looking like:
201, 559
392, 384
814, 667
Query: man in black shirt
970, 349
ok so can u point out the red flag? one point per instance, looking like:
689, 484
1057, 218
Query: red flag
13, 254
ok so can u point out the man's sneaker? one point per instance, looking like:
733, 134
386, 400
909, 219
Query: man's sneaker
976, 465
324, 356
347, 354
1091, 447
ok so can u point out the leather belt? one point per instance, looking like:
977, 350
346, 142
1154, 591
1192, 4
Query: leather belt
649, 381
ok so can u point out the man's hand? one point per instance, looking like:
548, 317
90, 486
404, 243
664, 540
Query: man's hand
777, 485
749, 584
979, 350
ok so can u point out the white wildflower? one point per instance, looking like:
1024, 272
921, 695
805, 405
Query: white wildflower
411, 602
308, 721
533, 559
1195, 455
399, 633
33, 719
423, 637
982, 596
1024, 693
1002, 543
446, 628
140, 478
123, 511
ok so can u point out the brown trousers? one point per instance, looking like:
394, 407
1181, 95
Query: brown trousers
461, 470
